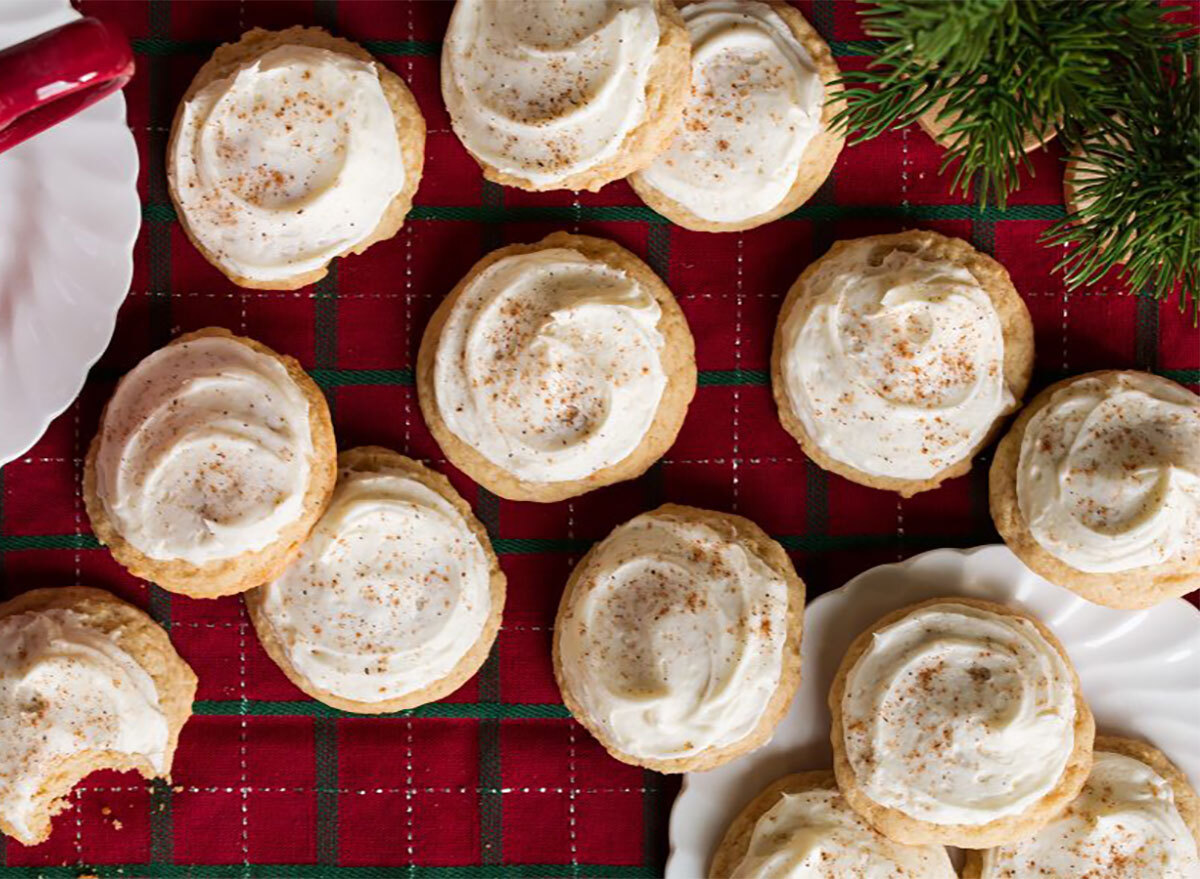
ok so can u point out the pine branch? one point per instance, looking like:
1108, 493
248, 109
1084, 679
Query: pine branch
1004, 69
1138, 186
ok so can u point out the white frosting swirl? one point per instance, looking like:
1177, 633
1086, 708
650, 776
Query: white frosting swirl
205, 451
287, 162
1109, 473
65, 688
1123, 825
391, 590
755, 106
673, 640
549, 365
815, 834
957, 715
897, 369
548, 89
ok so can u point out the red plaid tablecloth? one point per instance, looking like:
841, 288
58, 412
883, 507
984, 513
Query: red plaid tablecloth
495, 780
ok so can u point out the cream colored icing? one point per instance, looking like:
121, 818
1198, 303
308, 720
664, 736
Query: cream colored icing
1123, 825
549, 365
547, 89
66, 688
815, 834
390, 591
674, 639
755, 106
1108, 477
897, 369
958, 715
205, 451
287, 162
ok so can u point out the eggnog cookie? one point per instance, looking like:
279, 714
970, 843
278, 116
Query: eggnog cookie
801, 827
754, 142
1136, 818
555, 368
87, 682
961, 722
1097, 487
896, 357
395, 598
677, 641
291, 148
564, 94
214, 458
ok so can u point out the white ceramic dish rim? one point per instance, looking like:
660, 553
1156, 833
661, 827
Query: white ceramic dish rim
956, 565
127, 214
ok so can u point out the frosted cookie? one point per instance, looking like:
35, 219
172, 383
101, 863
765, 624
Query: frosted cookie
564, 94
801, 827
214, 458
1136, 818
87, 682
754, 142
677, 640
959, 721
291, 148
555, 368
896, 357
1097, 487
395, 598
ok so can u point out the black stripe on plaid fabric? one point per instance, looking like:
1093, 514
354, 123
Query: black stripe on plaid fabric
162, 833
654, 841
163, 212
1146, 338
325, 357
156, 46
3, 840
487, 508
326, 871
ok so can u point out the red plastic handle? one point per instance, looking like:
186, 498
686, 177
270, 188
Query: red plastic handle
54, 75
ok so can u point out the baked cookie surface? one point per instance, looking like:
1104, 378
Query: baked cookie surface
291, 148
677, 640
958, 721
1097, 487
555, 368
214, 457
896, 357
87, 682
592, 89
754, 142
396, 596
801, 826
1136, 818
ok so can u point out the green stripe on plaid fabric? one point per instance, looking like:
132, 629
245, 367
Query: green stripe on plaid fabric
325, 742
163, 212
491, 803
162, 833
3, 842
442, 710
734, 377
327, 871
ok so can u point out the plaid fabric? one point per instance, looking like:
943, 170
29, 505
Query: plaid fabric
495, 780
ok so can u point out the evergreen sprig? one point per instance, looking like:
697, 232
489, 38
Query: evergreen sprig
1005, 70
1137, 186
1110, 77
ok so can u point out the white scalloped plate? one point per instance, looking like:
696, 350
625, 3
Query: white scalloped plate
1140, 672
69, 214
